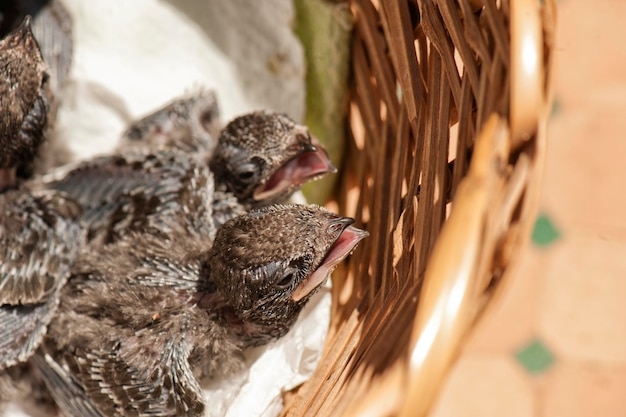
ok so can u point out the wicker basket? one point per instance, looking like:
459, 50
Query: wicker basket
447, 117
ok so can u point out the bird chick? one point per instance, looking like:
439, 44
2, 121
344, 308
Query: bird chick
148, 192
141, 323
264, 157
261, 157
190, 124
24, 100
39, 239
51, 25
130, 191
39, 231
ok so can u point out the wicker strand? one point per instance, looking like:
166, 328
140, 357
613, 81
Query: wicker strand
445, 183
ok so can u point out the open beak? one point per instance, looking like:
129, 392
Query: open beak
311, 163
343, 246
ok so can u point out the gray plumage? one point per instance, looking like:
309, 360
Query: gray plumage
190, 124
39, 239
158, 310
142, 322
150, 192
39, 231
137, 190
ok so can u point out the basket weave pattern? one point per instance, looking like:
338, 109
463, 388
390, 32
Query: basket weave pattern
447, 127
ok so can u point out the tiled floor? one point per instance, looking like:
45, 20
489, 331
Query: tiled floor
555, 344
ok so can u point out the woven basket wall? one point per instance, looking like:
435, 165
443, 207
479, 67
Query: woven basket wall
447, 116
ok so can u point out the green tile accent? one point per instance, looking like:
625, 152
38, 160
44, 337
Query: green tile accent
535, 357
556, 108
544, 232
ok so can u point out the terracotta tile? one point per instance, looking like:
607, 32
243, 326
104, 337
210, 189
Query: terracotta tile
486, 386
584, 172
582, 299
583, 390
509, 322
590, 54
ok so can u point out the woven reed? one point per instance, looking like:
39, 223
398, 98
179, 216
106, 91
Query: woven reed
447, 115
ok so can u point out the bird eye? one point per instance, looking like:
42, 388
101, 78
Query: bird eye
246, 172
246, 175
286, 280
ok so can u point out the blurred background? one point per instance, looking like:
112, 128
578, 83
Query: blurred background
554, 343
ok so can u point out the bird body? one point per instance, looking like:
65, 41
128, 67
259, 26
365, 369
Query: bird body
143, 191
262, 157
142, 322
39, 231
190, 124
39, 239
155, 188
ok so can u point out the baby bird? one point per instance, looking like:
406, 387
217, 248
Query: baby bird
143, 321
24, 100
145, 192
39, 231
261, 157
190, 124
134, 190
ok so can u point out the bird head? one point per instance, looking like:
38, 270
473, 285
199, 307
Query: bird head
24, 95
264, 157
268, 263
191, 124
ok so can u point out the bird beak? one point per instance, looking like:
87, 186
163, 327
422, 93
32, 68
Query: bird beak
22, 35
343, 246
310, 163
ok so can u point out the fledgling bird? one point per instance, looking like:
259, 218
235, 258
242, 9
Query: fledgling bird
52, 27
190, 124
144, 192
142, 322
24, 103
129, 191
39, 231
261, 157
